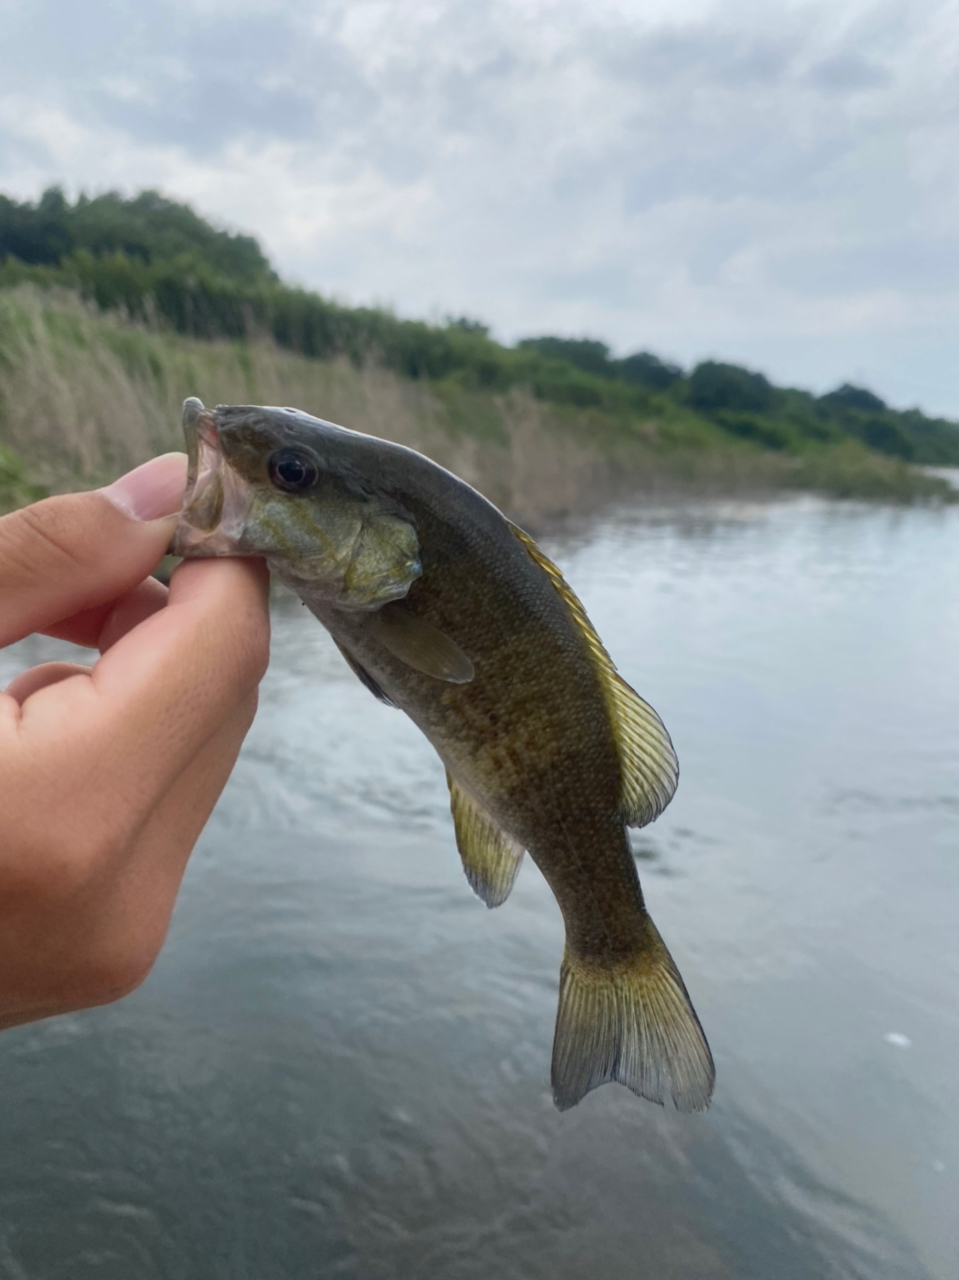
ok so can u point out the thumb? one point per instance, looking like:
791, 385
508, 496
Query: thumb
71, 553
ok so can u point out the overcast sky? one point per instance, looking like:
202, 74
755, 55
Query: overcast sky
773, 183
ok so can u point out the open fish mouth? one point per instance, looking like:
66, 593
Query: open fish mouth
217, 501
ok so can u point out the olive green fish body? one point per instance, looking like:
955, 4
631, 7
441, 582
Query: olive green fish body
446, 610
529, 735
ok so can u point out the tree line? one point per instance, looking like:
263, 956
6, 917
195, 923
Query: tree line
159, 262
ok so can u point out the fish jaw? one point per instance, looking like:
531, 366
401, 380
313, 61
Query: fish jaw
217, 501
332, 544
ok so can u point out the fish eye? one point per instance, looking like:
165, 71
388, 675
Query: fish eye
292, 470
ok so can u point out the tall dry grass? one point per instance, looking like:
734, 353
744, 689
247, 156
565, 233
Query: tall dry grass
84, 396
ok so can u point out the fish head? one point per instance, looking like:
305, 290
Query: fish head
280, 484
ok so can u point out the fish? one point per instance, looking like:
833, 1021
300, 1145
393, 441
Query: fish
444, 608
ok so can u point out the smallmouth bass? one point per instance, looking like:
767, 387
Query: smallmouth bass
445, 609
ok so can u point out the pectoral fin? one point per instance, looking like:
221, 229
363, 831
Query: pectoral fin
420, 645
491, 857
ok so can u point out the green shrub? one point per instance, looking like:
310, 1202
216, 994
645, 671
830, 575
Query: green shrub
16, 488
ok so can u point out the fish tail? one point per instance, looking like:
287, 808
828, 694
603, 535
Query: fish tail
632, 1022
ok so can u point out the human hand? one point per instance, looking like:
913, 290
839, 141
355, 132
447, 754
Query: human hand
108, 774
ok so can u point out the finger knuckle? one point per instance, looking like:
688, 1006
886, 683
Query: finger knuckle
249, 709
44, 533
58, 865
109, 974
245, 656
253, 648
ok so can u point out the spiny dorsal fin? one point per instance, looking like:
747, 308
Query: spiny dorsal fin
634, 1024
491, 857
364, 676
647, 759
420, 645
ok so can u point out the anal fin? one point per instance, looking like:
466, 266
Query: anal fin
491, 857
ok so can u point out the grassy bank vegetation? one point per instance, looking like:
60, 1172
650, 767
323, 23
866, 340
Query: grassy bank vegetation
85, 395
113, 310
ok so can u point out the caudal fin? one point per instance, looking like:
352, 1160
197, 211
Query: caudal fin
633, 1023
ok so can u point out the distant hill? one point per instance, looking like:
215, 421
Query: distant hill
148, 229
158, 261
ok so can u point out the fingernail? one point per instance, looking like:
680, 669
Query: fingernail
154, 490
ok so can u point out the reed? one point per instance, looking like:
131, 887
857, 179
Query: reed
84, 395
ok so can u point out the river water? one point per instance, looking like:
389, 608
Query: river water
339, 1066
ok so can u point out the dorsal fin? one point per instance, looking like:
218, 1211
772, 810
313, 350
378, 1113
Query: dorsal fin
647, 759
491, 857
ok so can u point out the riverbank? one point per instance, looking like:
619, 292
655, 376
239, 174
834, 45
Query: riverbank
85, 395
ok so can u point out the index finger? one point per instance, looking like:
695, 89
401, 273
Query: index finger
164, 688
104, 624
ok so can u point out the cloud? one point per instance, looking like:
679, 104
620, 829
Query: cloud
848, 73
765, 182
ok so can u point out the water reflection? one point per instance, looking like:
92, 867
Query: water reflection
340, 1065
